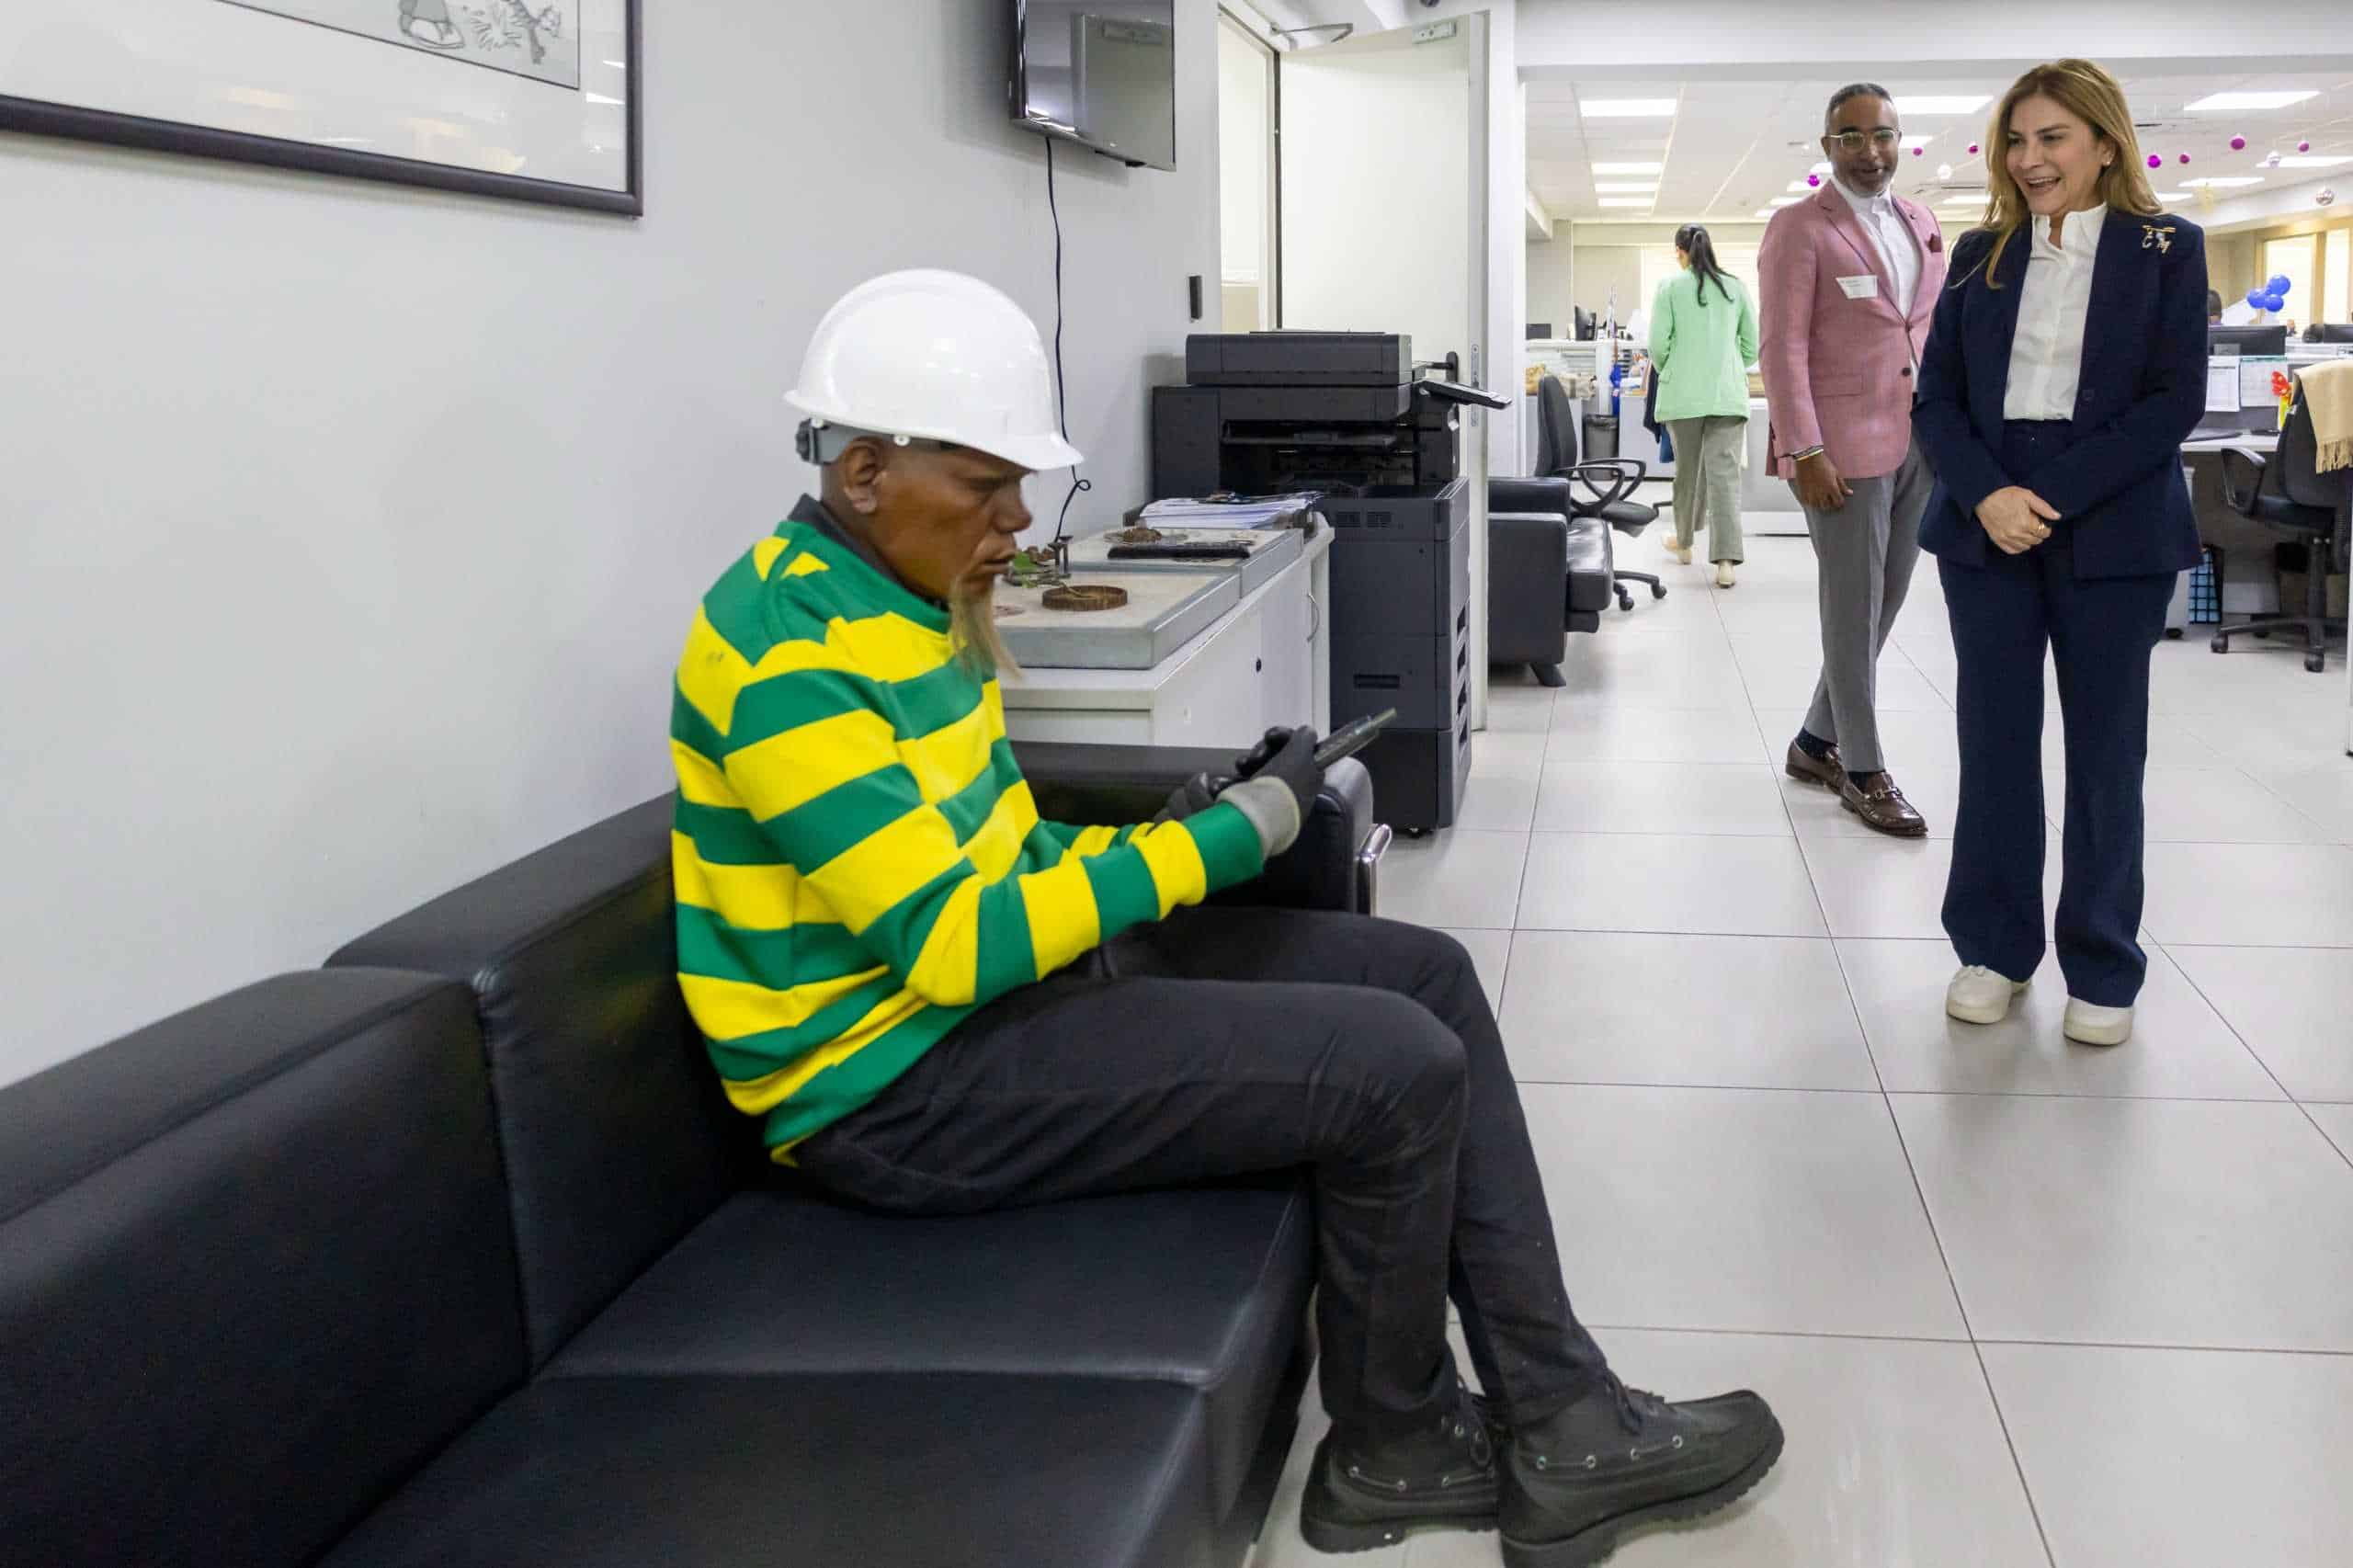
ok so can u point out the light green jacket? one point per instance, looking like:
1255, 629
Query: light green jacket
1702, 352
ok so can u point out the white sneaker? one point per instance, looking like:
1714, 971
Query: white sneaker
1978, 995
1723, 573
2087, 1023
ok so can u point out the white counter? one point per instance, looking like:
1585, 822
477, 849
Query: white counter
1265, 661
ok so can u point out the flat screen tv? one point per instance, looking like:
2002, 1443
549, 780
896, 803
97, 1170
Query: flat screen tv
1099, 73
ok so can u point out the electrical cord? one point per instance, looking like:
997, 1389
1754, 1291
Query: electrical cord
1062, 392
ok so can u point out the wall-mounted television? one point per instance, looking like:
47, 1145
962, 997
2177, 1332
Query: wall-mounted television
1099, 73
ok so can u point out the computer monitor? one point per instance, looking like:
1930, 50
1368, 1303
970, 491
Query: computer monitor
2244, 340
1539, 331
1587, 328
2329, 331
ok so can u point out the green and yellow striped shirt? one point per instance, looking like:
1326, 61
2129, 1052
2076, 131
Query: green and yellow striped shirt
858, 862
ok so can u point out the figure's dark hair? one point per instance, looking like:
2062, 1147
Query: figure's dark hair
1693, 242
2213, 303
1852, 90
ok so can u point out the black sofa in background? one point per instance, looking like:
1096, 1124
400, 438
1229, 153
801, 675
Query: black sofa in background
451, 1253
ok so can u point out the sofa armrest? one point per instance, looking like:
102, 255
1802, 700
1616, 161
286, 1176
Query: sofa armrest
1334, 866
1515, 494
1527, 576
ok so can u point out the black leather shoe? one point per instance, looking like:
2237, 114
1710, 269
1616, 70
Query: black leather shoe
1441, 1479
1621, 1458
1882, 807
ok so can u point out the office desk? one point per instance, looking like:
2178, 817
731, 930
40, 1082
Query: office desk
2246, 442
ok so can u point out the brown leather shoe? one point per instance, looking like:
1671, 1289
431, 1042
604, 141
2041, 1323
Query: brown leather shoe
1804, 766
1882, 806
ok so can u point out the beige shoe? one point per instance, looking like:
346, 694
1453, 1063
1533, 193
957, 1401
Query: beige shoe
1978, 995
1682, 553
2087, 1023
1723, 575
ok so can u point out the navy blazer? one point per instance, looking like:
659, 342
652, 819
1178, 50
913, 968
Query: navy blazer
2118, 485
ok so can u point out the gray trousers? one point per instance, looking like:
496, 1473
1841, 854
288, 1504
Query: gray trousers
1707, 483
1866, 551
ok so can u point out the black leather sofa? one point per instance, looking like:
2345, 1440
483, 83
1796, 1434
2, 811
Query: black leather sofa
449, 1252
1550, 572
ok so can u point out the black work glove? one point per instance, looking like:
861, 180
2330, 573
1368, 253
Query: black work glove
1196, 794
1282, 790
1293, 760
1247, 765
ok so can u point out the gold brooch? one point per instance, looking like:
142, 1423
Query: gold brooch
2159, 236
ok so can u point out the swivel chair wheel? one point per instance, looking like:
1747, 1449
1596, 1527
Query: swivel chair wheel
2316, 662
2263, 632
1625, 599
1658, 590
2173, 633
2219, 644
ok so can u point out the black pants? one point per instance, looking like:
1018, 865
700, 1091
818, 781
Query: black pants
1226, 1041
2100, 632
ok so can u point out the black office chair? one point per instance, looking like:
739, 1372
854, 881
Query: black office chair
1609, 480
2288, 493
2329, 331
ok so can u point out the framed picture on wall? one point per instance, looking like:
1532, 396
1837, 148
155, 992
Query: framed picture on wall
527, 100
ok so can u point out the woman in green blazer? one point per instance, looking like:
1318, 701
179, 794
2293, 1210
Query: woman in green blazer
1703, 338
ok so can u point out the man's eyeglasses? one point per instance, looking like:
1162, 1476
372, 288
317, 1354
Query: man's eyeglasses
1877, 141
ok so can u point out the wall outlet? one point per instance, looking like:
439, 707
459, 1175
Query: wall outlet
1430, 32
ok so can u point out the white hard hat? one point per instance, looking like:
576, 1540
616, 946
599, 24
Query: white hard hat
939, 357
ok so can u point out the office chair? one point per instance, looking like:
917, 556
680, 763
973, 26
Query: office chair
1556, 458
2289, 494
2329, 331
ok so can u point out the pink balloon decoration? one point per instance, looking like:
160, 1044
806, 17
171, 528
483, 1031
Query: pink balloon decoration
1916, 152
2303, 146
2156, 161
2185, 157
1814, 180
2238, 143
1972, 149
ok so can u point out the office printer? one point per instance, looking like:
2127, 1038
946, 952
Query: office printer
1352, 415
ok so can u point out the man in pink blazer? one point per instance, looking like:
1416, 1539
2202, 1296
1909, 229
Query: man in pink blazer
1851, 278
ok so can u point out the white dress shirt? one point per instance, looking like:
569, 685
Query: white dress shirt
1898, 247
2047, 355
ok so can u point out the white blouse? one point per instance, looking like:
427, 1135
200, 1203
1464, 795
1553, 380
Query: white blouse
2047, 354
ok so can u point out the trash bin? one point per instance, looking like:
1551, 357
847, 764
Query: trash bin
1600, 437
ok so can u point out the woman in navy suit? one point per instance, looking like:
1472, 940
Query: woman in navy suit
2065, 367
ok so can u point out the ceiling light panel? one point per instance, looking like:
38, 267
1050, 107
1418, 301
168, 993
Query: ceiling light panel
1628, 201
2231, 103
2314, 162
1933, 103
1629, 109
2231, 182
1629, 168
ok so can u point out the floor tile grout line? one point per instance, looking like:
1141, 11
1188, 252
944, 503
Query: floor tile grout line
2018, 1460
2245, 1044
2028, 1095
1998, 1341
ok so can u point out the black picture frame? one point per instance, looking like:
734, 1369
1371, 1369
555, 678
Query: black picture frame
72, 122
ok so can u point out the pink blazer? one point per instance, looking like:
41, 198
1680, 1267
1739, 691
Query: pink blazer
1839, 373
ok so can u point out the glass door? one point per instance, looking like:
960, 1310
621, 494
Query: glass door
1245, 107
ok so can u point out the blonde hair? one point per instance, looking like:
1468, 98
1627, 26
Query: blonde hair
2092, 95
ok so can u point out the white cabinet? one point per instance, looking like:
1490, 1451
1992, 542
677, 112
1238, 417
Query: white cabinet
1265, 661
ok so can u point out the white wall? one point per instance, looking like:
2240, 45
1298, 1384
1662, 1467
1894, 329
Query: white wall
349, 534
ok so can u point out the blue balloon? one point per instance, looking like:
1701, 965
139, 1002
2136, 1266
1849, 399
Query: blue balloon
2274, 303
2276, 284
2255, 297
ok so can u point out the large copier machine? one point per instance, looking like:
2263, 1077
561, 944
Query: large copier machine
1345, 414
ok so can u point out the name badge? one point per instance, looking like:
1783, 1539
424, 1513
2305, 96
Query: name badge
1863, 288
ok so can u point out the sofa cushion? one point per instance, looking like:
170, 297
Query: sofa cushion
616, 1137
254, 1268
904, 1471
1206, 1289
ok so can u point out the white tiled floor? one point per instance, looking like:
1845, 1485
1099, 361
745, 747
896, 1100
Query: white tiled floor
2018, 1302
